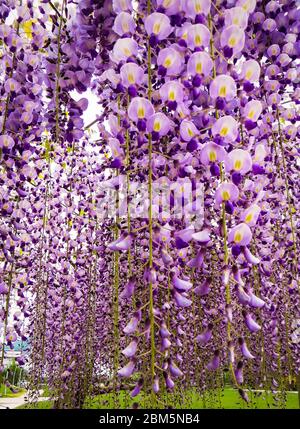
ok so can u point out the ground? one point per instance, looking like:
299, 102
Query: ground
228, 399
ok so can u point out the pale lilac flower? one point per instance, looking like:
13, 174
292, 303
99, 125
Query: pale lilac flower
199, 63
169, 62
212, 152
131, 349
252, 110
239, 160
198, 36
170, 7
127, 370
122, 5
236, 16
250, 215
124, 24
226, 192
172, 92
159, 123
140, 108
247, 5
158, 25
227, 128
223, 86
124, 49
250, 71
131, 74
192, 8
6, 141
188, 130
240, 234
232, 40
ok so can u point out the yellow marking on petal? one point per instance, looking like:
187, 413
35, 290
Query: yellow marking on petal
184, 35
131, 78
251, 114
248, 218
198, 8
141, 112
125, 26
232, 41
156, 28
249, 74
212, 156
236, 21
238, 164
198, 39
172, 95
238, 237
127, 52
190, 132
199, 68
157, 126
226, 195
167, 62
224, 131
166, 3
222, 91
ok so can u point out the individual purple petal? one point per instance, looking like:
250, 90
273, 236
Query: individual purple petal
214, 364
250, 71
131, 349
132, 325
159, 123
255, 301
250, 215
127, 370
250, 323
244, 349
204, 288
174, 370
239, 160
181, 300
128, 290
140, 108
238, 372
188, 130
192, 8
205, 336
181, 285
250, 258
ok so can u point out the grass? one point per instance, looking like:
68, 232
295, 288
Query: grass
5, 392
228, 399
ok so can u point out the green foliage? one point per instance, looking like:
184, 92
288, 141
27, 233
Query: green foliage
228, 399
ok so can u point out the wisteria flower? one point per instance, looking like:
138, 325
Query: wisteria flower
158, 27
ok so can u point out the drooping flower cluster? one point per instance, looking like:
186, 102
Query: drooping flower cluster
190, 267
